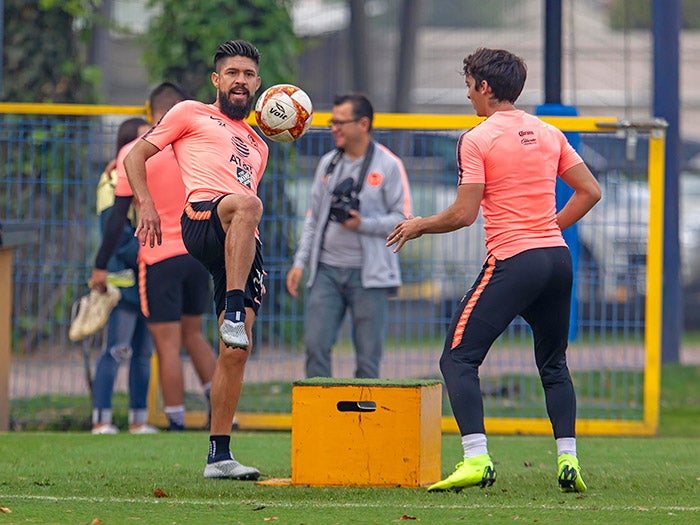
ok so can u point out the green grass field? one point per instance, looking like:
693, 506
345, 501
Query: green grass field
77, 478
83, 479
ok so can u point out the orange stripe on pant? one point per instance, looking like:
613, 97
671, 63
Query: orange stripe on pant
469, 307
143, 297
197, 215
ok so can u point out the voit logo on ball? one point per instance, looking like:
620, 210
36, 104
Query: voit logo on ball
276, 110
284, 112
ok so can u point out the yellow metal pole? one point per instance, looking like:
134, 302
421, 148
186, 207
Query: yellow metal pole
654, 310
23, 108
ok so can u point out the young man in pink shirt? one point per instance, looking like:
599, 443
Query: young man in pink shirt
221, 160
508, 167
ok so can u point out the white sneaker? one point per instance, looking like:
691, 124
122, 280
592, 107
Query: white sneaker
143, 429
93, 312
230, 469
78, 316
105, 429
233, 334
99, 308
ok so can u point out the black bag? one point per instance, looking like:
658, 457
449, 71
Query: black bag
345, 195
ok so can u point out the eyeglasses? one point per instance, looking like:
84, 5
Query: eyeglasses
332, 123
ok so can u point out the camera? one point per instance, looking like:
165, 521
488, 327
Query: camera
343, 199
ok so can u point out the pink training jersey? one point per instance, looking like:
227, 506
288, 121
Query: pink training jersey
518, 158
217, 155
168, 192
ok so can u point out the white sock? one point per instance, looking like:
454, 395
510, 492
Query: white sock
101, 416
566, 446
474, 445
206, 388
138, 416
176, 414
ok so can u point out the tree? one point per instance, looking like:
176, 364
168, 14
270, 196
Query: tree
43, 56
181, 40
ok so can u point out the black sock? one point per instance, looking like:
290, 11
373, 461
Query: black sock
235, 306
219, 448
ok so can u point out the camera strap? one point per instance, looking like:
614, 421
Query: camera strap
363, 170
365, 167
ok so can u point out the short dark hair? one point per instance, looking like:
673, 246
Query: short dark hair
165, 95
504, 71
129, 130
361, 106
235, 48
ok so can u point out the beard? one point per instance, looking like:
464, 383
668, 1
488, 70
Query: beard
233, 110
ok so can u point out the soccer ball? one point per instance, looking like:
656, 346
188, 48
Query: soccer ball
284, 112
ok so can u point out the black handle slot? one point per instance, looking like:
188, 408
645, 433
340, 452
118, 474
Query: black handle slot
356, 406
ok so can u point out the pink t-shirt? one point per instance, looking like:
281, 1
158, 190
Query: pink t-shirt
217, 155
168, 192
518, 158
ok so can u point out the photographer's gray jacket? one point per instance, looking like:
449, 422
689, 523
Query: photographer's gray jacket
385, 201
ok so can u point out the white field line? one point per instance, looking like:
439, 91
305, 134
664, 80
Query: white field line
329, 505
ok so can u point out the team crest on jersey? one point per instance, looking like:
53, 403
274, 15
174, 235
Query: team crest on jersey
240, 145
374, 179
243, 177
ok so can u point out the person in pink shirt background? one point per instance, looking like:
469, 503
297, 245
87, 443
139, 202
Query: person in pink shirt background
173, 285
508, 166
222, 160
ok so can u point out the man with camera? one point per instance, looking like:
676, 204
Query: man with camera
360, 192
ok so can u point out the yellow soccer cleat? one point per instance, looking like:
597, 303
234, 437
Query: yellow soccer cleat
471, 472
570, 479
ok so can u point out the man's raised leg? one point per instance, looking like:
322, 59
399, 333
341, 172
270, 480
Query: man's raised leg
240, 216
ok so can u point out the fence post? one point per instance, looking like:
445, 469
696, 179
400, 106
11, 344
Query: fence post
11, 235
5, 335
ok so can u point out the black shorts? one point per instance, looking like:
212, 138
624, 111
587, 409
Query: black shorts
174, 287
205, 238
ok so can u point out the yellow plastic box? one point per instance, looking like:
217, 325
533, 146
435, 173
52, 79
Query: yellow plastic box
366, 432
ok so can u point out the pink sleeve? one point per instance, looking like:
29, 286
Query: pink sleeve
171, 127
569, 156
470, 161
123, 189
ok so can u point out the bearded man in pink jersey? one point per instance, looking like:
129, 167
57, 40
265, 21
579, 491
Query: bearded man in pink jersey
508, 166
221, 161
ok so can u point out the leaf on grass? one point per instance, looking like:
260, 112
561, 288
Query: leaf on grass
96, 521
274, 518
528, 463
5, 510
160, 493
261, 507
406, 517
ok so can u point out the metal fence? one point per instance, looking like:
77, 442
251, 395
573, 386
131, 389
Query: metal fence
50, 165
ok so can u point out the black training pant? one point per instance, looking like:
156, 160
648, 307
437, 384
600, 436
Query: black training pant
535, 284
